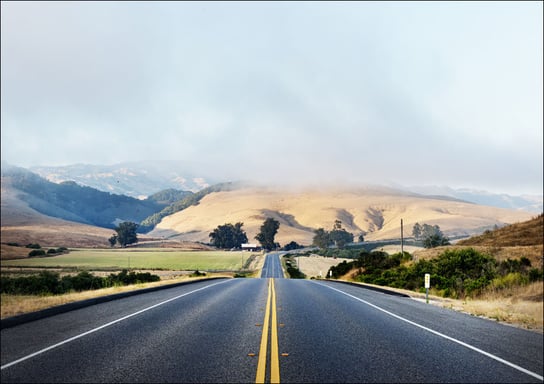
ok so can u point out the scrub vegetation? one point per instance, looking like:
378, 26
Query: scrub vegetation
455, 273
47, 282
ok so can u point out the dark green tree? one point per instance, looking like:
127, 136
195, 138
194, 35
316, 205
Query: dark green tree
292, 245
321, 238
268, 232
339, 235
113, 240
228, 236
126, 233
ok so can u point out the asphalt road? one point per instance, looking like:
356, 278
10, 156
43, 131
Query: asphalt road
272, 266
268, 329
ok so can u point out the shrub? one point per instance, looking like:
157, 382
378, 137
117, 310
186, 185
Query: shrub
535, 274
508, 281
36, 252
49, 283
295, 273
33, 246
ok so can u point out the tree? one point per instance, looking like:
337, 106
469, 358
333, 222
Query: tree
113, 240
433, 236
228, 236
291, 246
126, 233
321, 238
416, 231
339, 235
268, 232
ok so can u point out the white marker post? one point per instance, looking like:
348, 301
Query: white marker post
427, 286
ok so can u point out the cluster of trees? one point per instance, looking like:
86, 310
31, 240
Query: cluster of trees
233, 236
47, 282
454, 273
337, 236
431, 235
228, 236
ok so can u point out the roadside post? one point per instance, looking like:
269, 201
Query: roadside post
427, 286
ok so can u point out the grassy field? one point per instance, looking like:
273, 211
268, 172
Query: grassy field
137, 259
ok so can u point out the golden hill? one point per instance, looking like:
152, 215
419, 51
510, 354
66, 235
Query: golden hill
374, 212
529, 232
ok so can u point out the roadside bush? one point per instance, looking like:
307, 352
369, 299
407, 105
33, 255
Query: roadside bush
33, 246
49, 283
508, 281
295, 273
455, 273
535, 274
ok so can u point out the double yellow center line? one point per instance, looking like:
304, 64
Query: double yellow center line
274, 356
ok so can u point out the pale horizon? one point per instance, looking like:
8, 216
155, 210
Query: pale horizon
408, 93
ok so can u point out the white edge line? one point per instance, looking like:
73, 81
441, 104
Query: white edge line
103, 326
530, 373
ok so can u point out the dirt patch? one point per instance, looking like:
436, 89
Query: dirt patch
315, 265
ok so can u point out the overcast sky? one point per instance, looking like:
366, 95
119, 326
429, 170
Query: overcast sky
446, 93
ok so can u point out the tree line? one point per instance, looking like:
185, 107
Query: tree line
229, 236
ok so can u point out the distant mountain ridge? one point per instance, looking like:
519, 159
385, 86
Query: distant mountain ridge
142, 179
82, 204
528, 203
135, 179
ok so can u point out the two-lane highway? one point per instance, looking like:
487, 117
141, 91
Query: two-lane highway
269, 329
272, 266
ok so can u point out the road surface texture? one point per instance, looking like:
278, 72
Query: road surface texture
268, 329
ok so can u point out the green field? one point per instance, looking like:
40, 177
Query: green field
138, 259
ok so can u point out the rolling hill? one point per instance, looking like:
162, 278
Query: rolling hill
23, 225
375, 212
73, 202
37, 210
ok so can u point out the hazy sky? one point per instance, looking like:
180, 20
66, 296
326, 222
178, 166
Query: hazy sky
445, 93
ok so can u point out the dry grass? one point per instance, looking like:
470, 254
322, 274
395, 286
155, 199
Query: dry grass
530, 232
517, 306
532, 252
377, 213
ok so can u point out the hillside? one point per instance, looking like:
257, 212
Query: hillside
82, 204
23, 225
526, 233
514, 241
134, 179
375, 212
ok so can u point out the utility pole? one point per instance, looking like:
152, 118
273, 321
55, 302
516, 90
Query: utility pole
401, 239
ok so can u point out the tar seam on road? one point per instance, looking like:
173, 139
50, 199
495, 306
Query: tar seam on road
512, 365
274, 356
104, 326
